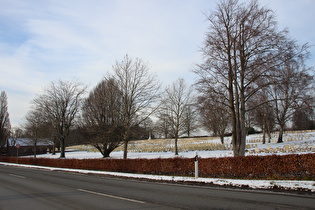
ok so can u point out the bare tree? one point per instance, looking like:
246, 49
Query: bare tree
60, 104
145, 129
302, 118
177, 99
261, 110
292, 84
16, 133
215, 115
102, 119
139, 91
163, 126
190, 118
5, 125
36, 127
240, 50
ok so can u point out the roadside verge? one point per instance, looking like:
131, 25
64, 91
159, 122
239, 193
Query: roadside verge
297, 185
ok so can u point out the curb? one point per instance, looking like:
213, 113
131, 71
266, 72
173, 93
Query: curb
296, 185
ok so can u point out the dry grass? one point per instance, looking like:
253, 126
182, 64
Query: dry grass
287, 137
166, 145
199, 144
83, 147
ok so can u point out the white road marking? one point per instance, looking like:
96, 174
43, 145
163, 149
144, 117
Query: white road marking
18, 176
111, 196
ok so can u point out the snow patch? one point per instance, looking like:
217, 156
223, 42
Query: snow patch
255, 184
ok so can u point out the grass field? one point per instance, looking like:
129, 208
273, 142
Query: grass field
292, 140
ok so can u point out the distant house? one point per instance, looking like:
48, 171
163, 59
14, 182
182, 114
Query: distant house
26, 147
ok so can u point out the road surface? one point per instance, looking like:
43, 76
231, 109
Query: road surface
25, 188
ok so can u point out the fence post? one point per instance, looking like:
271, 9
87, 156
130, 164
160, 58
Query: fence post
196, 165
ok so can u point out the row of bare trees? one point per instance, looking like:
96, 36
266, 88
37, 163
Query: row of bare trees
250, 65
116, 111
251, 73
118, 108
112, 113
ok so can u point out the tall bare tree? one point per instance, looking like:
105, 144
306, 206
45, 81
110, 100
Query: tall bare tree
102, 119
177, 99
5, 125
139, 91
60, 103
240, 49
292, 84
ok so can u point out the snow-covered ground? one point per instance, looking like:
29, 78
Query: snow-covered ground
294, 143
148, 155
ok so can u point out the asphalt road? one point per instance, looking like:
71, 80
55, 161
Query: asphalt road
24, 188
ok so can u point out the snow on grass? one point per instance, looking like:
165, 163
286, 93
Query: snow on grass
133, 155
294, 143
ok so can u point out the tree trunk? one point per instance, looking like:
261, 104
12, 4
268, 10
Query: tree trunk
35, 147
280, 137
8, 148
176, 137
106, 153
63, 148
237, 146
54, 145
232, 109
240, 131
126, 140
54, 149
243, 132
222, 139
103, 150
176, 148
269, 137
125, 148
264, 134
236, 142
240, 140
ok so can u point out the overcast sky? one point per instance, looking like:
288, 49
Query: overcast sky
45, 40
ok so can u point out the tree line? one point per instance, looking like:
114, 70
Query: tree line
252, 75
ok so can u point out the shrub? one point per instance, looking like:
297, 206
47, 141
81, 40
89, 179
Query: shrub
249, 167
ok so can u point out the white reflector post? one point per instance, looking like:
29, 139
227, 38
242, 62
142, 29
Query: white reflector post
196, 165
